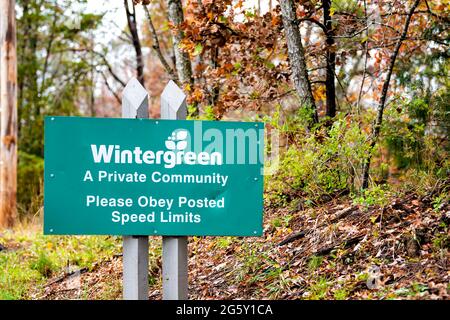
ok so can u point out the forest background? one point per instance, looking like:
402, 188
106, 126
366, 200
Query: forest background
357, 90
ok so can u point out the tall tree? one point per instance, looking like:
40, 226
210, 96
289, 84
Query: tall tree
297, 57
330, 60
8, 123
182, 61
132, 25
384, 92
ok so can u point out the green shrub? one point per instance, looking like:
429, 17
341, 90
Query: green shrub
377, 195
29, 183
318, 165
404, 132
415, 133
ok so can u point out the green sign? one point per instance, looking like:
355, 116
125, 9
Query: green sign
153, 177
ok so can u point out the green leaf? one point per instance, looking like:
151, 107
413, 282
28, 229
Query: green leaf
332, 11
198, 49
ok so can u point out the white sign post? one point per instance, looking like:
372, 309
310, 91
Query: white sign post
175, 249
135, 248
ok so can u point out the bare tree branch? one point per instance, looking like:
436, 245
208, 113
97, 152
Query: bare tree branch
105, 79
310, 19
104, 59
156, 46
132, 26
366, 54
384, 92
48, 50
110, 69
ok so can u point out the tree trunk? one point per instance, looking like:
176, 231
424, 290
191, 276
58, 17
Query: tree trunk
8, 102
182, 61
297, 57
331, 61
215, 90
384, 92
132, 25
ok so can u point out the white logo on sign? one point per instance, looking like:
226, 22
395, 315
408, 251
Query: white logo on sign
177, 140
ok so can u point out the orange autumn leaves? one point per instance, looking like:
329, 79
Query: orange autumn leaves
240, 61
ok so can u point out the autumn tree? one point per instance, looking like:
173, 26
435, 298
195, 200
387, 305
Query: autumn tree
156, 44
384, 92
337, 57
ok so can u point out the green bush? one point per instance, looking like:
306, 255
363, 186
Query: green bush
325, 161
377, 195
415, 131
415, 134
404, 132
29, 183
318, 165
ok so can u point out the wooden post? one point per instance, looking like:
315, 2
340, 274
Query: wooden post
8, 104
135, 248
175, 253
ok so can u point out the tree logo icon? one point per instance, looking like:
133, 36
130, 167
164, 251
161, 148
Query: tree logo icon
177, 141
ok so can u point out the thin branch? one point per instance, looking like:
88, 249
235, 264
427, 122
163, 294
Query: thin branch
156, 46
124, 32
428, 11
394, 42
132, 26
352, 35
342, 88
434, 14
396, 13
110, 69
277, 97
310, 19
105, 61
384, 92
366, 54
439, 41
386, 26
48, 50
110, 88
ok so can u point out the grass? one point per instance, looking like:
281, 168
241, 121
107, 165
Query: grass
341, 294
314, 263
319, 289
32, 258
